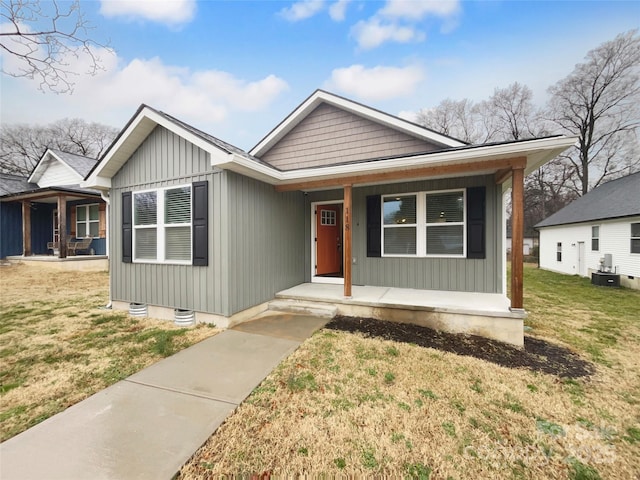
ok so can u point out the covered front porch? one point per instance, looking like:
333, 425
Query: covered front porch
53, 221
486, 314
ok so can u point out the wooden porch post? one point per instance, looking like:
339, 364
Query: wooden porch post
347, 240
517, 234
26, 228
62, 226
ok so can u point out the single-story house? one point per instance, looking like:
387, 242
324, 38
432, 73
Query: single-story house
35, 209
606, 220
337, 196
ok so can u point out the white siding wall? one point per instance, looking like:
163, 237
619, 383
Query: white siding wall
615, 238
57, 174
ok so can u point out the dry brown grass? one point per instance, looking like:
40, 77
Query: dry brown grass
348, 405
58, 347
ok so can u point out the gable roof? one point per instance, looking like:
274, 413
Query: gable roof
615, 199
457, 158
77, 164
140, 126
320, 96
10, 184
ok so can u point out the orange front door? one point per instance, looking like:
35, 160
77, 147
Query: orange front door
328, 240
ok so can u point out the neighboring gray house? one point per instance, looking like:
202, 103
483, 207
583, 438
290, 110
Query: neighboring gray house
30, 223
337, 193
604, 221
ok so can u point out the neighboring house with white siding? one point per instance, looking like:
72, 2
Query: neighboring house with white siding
606, 220
30, 207
337, 195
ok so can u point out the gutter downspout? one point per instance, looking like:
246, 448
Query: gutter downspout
105, 197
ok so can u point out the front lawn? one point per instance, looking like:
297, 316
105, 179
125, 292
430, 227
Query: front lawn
350, 404
57, 346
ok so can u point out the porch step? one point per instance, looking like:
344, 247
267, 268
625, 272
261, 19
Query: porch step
307, 308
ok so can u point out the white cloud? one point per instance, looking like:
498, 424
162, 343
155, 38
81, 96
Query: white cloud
408, 115
337, 10
204, 97
397, 21
418, 9
302, 10
170, 12
377, 83
372, 33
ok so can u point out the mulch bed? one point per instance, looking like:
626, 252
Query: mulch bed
538, 355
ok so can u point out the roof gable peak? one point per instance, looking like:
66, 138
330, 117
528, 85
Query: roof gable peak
322, 96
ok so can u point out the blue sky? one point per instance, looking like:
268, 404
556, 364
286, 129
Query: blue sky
236, 68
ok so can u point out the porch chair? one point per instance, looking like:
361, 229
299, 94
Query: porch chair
76, 245
53, 246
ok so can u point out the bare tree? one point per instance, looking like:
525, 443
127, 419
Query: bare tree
461, 119
40, 39
599, 101
21, 146
513, 113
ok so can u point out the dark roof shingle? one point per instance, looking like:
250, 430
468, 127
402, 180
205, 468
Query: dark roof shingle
614, 199
79, 163
14, 184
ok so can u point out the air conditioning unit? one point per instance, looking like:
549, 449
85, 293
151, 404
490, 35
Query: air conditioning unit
606, 275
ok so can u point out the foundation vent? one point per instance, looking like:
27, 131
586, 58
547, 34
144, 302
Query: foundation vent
138, 309
184, 318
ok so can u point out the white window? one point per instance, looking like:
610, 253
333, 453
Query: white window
424, 224
162, 225
559, 252
445, 223
327, 217
88, 221
399, 221
595, 239
635, 238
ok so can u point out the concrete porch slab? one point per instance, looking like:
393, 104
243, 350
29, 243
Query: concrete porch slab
466, 303
81, 263
484, 314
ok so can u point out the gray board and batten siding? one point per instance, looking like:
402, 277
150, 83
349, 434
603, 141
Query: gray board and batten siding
456, 274
266, 238
252, 245
330, 135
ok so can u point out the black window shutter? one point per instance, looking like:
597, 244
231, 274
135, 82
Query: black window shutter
374, 226
127, 228
476, 219
200, 227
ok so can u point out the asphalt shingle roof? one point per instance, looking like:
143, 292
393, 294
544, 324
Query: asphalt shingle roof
227, 147
14, 184
615, 199
80, 164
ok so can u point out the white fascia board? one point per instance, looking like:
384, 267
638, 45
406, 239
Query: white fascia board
136, 133
510, 150
253, 169
392, 121
37, 173
538, 151
98, 183
375, 115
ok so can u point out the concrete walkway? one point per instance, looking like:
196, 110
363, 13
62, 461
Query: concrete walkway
150, 424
